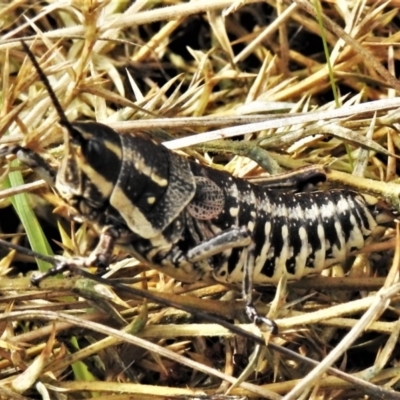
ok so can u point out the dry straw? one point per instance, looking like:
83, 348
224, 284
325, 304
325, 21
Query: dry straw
286, 84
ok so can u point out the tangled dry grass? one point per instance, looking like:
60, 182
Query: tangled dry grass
285, 84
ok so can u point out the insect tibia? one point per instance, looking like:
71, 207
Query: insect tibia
296, 180
100, 257
235, 237
58, 268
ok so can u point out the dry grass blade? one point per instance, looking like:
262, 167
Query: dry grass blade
376, 308
187, 74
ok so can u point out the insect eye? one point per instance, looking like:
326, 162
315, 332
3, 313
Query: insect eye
92, 148
100, 160
95, 153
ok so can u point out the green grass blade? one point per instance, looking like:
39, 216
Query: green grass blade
332, 80
23, 208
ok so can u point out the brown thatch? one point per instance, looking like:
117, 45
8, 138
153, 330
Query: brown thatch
196, 72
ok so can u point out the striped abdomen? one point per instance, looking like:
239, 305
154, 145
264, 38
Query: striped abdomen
293, 234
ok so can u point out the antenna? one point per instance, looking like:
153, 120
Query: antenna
61, 114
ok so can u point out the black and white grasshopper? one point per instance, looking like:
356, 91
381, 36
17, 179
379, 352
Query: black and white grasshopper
191, 221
